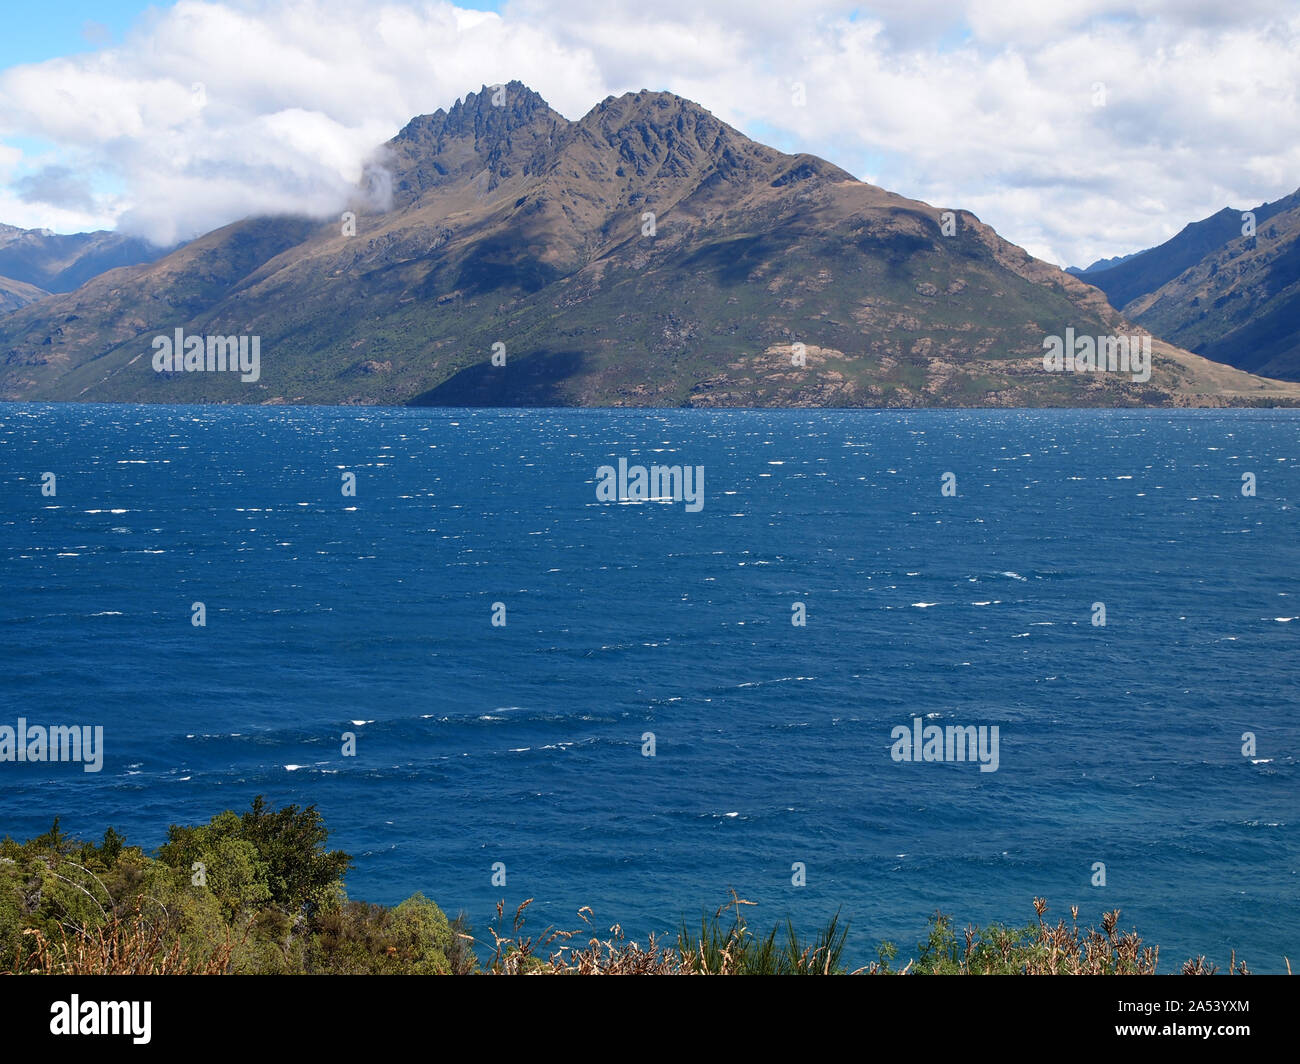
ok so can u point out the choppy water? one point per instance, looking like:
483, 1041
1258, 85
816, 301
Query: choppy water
523, 744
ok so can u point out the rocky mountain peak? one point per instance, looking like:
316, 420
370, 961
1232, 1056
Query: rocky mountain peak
501, 130
661, 134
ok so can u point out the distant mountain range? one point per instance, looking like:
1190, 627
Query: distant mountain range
647, 254
1218, 290
1099, 265
51, 262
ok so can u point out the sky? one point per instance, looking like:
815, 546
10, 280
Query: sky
1079, 129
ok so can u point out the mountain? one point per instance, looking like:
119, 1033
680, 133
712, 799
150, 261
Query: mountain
60, 263
15, 294
647, 254
1099, 265
1241, 303
1213, 290
1137, 275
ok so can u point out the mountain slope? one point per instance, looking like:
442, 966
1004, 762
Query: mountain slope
1138, 275
1240, 304
646, 254
15, 294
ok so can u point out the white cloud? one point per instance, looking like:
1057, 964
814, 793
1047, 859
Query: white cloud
982, 104
9, 159
17, 212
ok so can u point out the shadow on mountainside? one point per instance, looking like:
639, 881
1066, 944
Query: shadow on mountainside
535, 379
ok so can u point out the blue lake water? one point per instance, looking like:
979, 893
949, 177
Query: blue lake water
522, 744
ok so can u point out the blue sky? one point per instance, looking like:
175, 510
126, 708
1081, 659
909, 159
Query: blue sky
34, 32
49, 30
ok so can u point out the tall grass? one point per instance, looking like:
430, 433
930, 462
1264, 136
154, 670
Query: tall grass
130, 944
134, 944
729, 946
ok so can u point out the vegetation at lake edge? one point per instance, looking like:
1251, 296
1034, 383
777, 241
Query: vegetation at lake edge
259, 893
